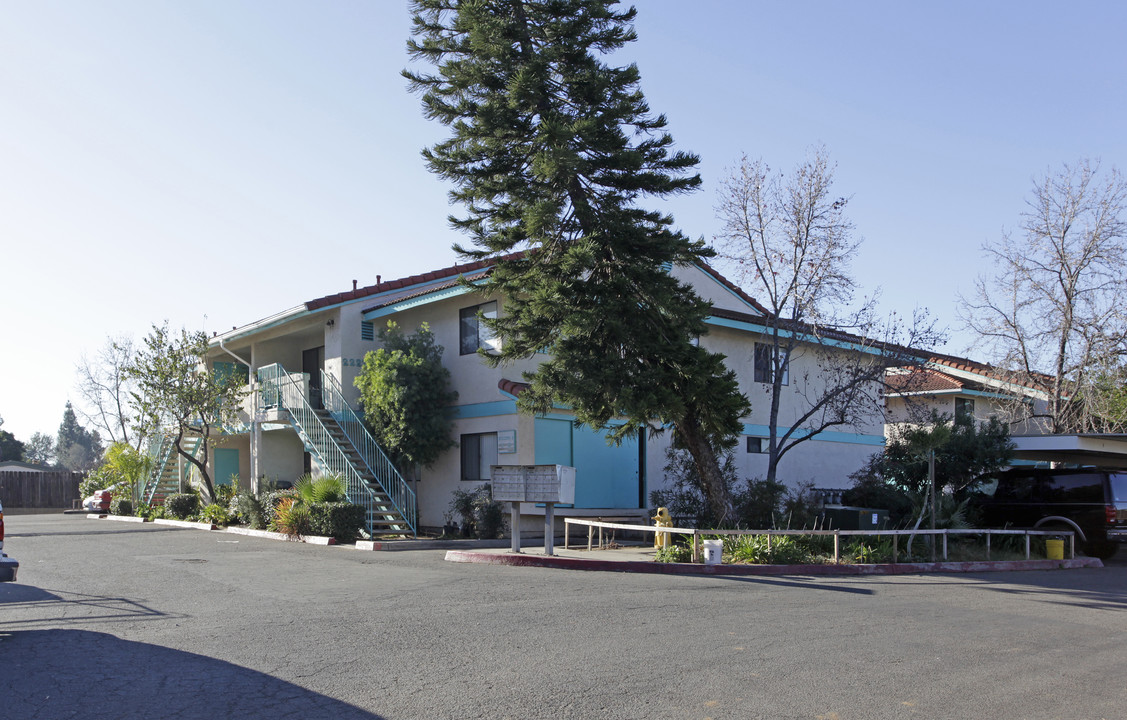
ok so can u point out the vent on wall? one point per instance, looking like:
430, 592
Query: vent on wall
367, 330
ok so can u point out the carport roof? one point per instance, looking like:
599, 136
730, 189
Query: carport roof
1104, 450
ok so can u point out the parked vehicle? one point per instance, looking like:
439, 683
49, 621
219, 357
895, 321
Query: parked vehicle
1092, 502
99, 501
8, 566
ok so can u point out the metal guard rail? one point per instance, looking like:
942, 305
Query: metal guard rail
896, 534
287, 391
376, 460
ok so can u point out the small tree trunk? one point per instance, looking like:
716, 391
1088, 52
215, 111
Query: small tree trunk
695, 441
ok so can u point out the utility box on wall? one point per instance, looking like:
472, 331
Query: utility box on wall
534, 483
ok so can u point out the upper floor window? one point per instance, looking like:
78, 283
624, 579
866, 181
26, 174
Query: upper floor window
765, 364
472, 332
964, 406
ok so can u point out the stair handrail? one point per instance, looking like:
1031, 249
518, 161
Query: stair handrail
166, 450
160, 451
286, 390
378, 464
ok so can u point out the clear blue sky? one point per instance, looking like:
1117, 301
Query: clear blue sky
212, 162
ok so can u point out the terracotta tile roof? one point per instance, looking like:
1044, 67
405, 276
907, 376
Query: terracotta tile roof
922, 380
512, 387
1040, 381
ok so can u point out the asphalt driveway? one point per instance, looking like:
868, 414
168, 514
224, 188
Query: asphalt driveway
115, 620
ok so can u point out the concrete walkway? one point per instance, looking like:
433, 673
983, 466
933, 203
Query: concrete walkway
636, 558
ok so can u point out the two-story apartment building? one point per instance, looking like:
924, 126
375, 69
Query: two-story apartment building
303, 362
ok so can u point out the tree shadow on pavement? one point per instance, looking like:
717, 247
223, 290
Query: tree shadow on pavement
79, 673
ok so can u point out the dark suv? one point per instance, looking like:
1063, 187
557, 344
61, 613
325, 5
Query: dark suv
1092, 502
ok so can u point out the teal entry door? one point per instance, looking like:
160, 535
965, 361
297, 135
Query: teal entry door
606, 476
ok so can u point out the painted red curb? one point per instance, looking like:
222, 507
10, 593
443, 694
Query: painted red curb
567, 563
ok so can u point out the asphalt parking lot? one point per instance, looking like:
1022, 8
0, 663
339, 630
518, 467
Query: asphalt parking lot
116, 620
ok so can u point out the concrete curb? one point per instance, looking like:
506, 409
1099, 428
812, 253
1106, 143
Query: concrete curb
184, 524
119, 518
396, 545
265, 534
565, 563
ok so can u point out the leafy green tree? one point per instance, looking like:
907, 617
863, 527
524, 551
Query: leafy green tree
964, 450
10, 447
176, 391
551, 154
76, 448
406, 397
40, 449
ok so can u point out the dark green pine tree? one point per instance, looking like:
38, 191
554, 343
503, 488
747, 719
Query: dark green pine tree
77, 448
552, 154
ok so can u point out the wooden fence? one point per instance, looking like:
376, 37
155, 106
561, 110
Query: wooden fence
30, 489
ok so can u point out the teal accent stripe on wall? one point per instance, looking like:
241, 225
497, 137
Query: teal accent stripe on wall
500, 407
827, 436
763, 330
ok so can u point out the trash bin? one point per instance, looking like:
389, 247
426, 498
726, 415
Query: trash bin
713, 552
1054, 548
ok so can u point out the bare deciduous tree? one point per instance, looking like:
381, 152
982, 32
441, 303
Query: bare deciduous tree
104, 388
1051, 315
790, 245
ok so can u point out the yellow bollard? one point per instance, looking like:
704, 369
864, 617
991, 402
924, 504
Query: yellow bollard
662, 519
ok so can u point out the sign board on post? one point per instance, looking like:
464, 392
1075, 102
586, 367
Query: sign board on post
548, 484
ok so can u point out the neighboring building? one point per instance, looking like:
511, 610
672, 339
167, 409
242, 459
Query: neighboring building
955, 386
318, 348
20, 466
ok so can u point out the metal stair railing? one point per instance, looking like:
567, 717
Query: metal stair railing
161, 452
164, 453
287, 391
378, 464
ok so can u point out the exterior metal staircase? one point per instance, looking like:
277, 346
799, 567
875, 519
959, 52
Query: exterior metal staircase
337, 438
167, 473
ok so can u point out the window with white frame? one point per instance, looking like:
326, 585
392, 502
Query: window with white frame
479, 454
765, 364
472, 332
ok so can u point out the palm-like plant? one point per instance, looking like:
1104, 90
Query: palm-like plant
326, 488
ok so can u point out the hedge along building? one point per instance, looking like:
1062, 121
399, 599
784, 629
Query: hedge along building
303, 363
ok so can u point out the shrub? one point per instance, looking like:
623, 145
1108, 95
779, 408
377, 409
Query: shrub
121, 506
340, 520
269, 502
224, 494
215, 514
153, 512
489, 517
182, 506
480, 514
801, 507
756, 549
324, 489
247, 509
291, 518
674, 553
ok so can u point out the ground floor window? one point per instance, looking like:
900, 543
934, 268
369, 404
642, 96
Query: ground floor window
479, 453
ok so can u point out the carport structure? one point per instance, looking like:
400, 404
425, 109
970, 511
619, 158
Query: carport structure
1092, 449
